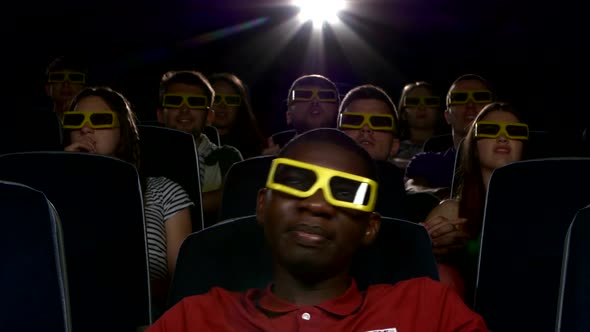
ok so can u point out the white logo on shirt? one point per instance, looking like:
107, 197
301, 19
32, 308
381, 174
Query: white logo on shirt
391, 329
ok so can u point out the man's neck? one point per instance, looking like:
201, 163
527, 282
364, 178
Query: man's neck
299, 292
419, 136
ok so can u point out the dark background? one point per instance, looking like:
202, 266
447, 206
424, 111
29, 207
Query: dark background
531, 51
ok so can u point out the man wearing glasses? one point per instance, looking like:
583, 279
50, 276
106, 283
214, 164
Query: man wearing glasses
368, 115
434, 171
312, 102
317, 210
185, 103
65, 78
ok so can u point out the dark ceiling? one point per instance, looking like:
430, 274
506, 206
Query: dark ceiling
523, 47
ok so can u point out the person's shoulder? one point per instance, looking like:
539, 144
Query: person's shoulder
161, 182
230, 151
419, 290
163, 186
418, 284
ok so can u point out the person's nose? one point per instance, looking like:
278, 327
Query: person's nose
86, 128
502, 138
317, 204
366, 129
184, 108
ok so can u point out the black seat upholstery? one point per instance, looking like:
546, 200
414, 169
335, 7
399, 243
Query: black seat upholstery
216, 256
172, 153
22, 131
99, 201
33, 280
391, 195
438, 143
529, 207
212, 134
281, 138
241, 185
574, 291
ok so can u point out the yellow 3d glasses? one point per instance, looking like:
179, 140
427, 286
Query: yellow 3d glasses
323, 95
229, 100
351, 120
426, 101
460, 97
62, 76
95, 119
176, 100
488, 129
340, 189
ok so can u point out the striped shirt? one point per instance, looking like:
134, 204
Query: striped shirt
163, 198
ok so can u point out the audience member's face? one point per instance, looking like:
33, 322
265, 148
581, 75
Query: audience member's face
500, 151
105, 141
461, 116
62, 93
225, 115
312, 114
377, 142
421, 117
309, 234
184, 118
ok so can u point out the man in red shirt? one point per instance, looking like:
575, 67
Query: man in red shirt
317, 210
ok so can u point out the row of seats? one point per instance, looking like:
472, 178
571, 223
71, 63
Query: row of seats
99, 203
529, 208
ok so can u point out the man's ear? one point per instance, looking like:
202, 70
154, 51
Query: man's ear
260, 203
395, 145
372, 228
448, 116
210, 117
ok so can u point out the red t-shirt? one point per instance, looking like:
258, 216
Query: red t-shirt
419, 304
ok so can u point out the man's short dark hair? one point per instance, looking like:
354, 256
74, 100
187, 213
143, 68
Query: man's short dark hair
66, 63
338, 138
189, 77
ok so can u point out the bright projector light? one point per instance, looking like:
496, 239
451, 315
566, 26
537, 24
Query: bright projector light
319, 11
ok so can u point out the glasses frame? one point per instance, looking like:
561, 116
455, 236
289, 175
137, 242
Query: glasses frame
87, 115
315, 94
323, 176
501, 131
366, 121
422, 101
223, 98
67, 77
470, 94
185, 97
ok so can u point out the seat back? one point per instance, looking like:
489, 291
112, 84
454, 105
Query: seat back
173, 154
237, 247
419, 204
438, 143
38, 130
100, 204
212, 134
241, 185
282, 137
391, 194
528, 210
33, 279
574, 290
